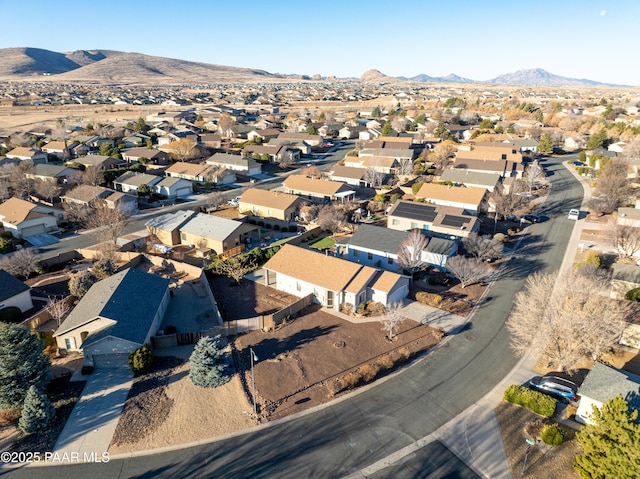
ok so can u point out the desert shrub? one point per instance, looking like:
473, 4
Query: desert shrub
404, 354
500, 237
103, 268
552, 434
9, 416
431, 299
533, 400
633, 295
593, 258
80, 283
170, 330
386, 362
368, 372
334, 387
86, 370
533, 429
346, 308
350, 380
141, 359
374, 308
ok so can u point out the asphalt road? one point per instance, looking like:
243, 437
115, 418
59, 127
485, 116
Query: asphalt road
368, 426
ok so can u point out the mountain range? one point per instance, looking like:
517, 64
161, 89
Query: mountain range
115, 67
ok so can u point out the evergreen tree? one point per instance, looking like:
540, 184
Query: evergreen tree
610, 444
80, 283
545, 145
37, 412
387, 128
441, 130
22, 364
209, 367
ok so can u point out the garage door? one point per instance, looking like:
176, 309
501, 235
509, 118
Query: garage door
183, 192
32, 230
398, 295
110, 361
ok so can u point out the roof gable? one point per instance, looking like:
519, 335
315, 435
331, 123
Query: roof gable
11, 286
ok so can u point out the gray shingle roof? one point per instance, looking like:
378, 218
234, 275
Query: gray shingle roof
10, 286
604, 383
170, 221
388, 240
626, 272
130, 298
212, 227
464, 176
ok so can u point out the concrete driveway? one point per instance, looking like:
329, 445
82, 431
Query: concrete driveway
94, 418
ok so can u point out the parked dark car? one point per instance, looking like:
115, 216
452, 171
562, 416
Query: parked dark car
531, 218
555, 386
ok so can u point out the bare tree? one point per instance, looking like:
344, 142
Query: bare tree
225, 125
373, 177
309, 213
92, 176
625, 238
613, 181
21, 263
533, 175
410, 253
311, 171
565, 317
513, 202
75, 212
391, 319
286, 160
61, 133
468, 270
233, 268
331, 218
57, 309
46, 190
483, 246
110, 222
20, 183
5, 188
442, 154
405, 167
215, 200
184, 149
602, 205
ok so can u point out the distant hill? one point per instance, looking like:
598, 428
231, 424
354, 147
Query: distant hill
451, 78
108, 66
376, 76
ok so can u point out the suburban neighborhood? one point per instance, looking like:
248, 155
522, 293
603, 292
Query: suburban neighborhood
198, 266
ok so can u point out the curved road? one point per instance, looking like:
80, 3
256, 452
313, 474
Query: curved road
368, 426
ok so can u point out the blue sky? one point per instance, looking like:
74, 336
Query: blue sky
476, 39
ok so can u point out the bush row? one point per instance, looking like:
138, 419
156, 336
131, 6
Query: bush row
533, 400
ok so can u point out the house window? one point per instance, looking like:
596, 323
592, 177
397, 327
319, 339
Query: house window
362, 297
356, 252
390, 260
298, 286
425, 227
504, 156
369, 255
183, 236
414, 225
268, 212
394, 222
70, 343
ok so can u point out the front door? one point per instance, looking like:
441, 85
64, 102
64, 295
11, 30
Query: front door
329, 299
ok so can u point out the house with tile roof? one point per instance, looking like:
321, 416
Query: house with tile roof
379, 247
489, 151
14, 293
332, 281
317, 189
58, 149
473, 200
603, 383
440, 221
115, 317
506, 169
220, 235
269, 204
22, 218
23, 153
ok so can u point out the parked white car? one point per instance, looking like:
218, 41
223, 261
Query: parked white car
574, 214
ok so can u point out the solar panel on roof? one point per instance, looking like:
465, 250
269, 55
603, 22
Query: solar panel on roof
454, 221
416, 211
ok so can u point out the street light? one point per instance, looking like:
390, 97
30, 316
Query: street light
254, 358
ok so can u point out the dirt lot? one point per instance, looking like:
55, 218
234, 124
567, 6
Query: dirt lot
298, 362
456, 299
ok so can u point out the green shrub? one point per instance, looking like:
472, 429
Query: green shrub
633, 295
6, 235
431, 299
11, 314
6, 245
552, 434
533, 400
141, 359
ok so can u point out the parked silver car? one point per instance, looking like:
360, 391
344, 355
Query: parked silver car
560, 388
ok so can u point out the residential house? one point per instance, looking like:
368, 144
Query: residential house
332, 281
603, 383
211, 140
122, 201
311, 140
14, 293
221, 235
397, 154
316, 189
99, 162
524, 144
201, 172
275, 153
269, 204
56, 174
472, 200
130, 181
441, 221
301, 146
167, 227
381, 164
148, 155
115, 317
489, 151
58, 149
263, 135
85, 195
173, 187
23, 154
507, 169
379, 247
625, 277
350, 132
349, 175
629, 216
239, 164
470, 178
22, 218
